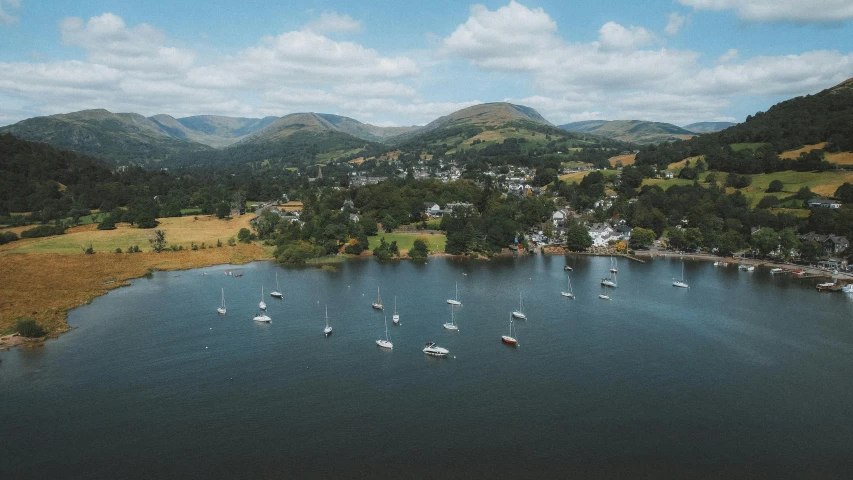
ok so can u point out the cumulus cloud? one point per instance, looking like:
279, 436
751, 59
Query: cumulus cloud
108, 41
137, 68
613, 36
623, 74
730, 55
332, 22
674, 23
797, 11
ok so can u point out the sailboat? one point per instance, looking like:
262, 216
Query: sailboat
378, 303
262, 317
455, 300
452, 325
328, 330
509, 339
262, 305
676, 283
221, 308
568, 294
396, 317
276, 293
387, 342
614, 268
434, 350
603, 296
609, 281
520, 312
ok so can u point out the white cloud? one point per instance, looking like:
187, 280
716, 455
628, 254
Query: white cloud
613, 36
674, 23
5, 17
797, 11
332, 22
108, 41
730, 55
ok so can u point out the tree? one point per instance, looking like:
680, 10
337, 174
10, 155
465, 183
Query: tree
845, 193
146, 220
642, 237
158, 243
788, 241
108, 223
775, 186
768, 201
765, 241
245, 235
729, 242
811, 251
419, 250
577, 238
29, 328
223, 210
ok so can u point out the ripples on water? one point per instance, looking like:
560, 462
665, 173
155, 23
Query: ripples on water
742, 374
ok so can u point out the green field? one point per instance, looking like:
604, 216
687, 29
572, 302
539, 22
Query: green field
406, 240
746, 146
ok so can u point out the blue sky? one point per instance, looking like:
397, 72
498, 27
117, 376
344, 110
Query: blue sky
401, 63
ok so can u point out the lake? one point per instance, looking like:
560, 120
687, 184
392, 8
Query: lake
741, 375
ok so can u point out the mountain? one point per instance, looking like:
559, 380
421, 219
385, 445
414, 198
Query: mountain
708, 127
212, 130
318, 122
119, 137
635, 131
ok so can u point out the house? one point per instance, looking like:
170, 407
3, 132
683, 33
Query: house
818, 202
459, 206
601, 234
667, 175
623, 232
432, 209
348, 205
559, 217
832, 244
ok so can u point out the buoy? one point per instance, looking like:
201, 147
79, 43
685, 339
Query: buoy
205, 348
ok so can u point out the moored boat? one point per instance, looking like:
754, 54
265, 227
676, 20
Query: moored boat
434, 350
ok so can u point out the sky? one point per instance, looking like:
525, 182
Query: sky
406, 63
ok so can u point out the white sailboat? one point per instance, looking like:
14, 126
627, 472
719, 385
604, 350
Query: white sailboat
396, 317
520, 312
452, 325
434, 350
614, 268
262, 305
387, 342
681, 284
221, 308
276, 293
455, 300
609, 281
378, 303
509, 339
328, 330
568, 294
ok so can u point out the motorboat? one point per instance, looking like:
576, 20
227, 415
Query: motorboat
434, 350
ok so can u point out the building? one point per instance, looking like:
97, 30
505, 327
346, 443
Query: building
432, 209
818, 202
832, 244
601, 234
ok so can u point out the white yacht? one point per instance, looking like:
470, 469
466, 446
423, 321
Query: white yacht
455, 300
262, 305
386, 343
569, 293
681, 284
434, 350
276, 293
328, 330
519, 314
262, 318
452, 325
396, 317
221, 308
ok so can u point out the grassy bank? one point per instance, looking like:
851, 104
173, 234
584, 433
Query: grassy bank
45, 286
406, 240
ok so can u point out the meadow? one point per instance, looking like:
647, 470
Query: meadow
436, 242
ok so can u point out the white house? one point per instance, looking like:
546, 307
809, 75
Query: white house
601, 234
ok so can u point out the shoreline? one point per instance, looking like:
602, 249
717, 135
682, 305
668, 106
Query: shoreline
61, 282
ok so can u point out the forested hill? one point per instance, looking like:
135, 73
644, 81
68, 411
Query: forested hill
823, 117
32, 174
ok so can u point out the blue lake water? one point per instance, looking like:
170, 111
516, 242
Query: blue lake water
741, 375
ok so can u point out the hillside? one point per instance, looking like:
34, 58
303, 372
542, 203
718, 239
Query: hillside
635, 131
212, 130
755, 145
708, 127
119, 137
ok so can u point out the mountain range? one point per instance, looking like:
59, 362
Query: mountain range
643, 132
130, 138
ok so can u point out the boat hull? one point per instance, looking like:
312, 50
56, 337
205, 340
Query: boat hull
519, 315
680, 285
276, 295
604, 297
385, 344
327, 331
377, 306
509, 340
567, 294
450, 326
454, 302
221, 311
262, 319
608, 283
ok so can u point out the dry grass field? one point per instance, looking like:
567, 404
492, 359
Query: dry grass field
794, 154
42, 278
624, 159
844, 158
180, 231
44, 286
